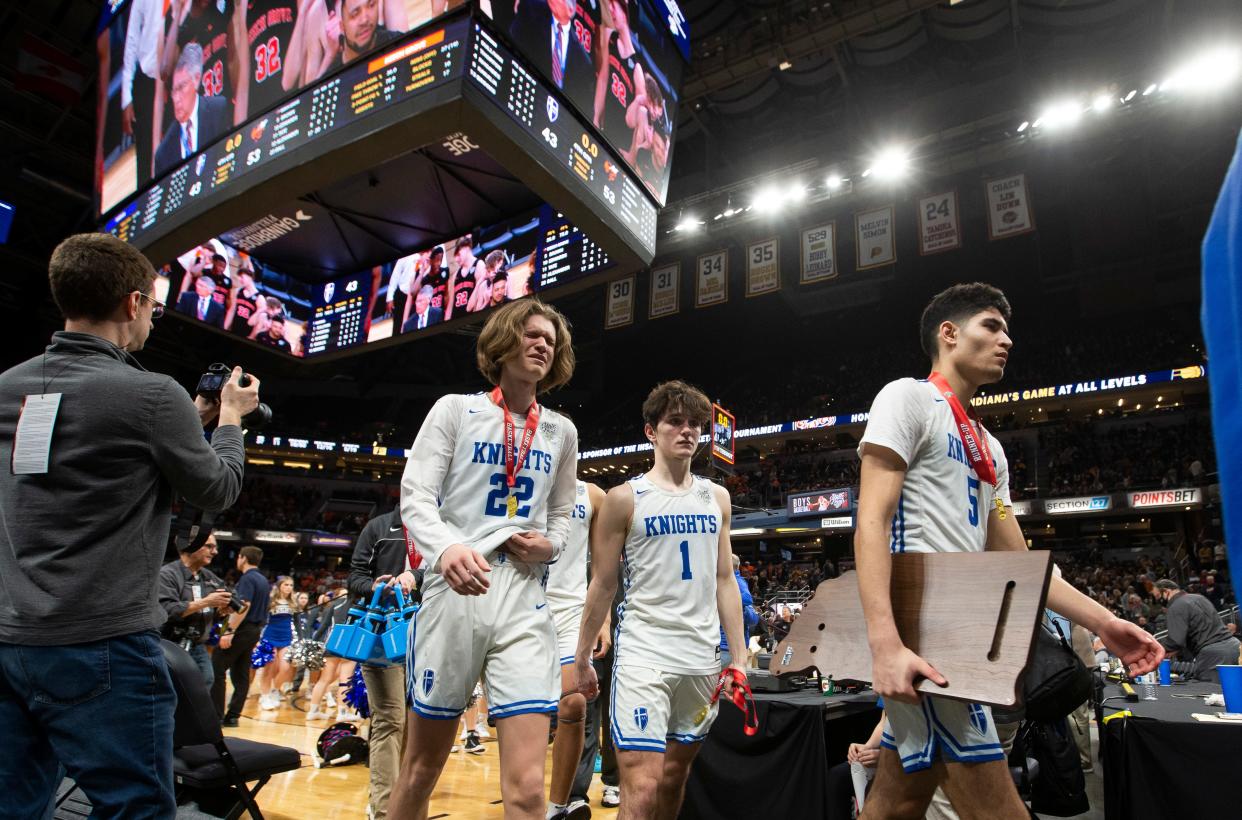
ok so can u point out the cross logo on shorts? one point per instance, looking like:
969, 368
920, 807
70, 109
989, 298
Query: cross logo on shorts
429, 680
978, 718
640, 718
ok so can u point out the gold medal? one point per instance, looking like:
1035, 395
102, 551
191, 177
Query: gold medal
702, 715
1000, 507
512, 506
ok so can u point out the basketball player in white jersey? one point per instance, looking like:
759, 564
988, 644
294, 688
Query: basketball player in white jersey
566, 592
933, 480
672, 529
487, 496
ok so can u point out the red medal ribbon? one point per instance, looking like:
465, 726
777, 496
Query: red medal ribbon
512, 465
976, 444
415, 557
742, 698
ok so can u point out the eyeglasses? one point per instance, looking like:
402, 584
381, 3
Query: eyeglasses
158, 310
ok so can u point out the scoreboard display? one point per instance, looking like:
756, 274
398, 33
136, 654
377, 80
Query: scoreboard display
565, 140
339, 314
724, 430
406, 71
565, 252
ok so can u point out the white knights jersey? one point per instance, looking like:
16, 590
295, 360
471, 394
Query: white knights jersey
454, 489
567, 578
944, 506
668, 620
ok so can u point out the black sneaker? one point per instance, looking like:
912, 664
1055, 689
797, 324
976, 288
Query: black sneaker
229, 721
473, 745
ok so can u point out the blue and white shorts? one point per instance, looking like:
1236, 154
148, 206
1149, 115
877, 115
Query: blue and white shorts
650, 707
963, 732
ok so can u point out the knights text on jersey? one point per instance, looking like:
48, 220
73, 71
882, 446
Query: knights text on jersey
668, 620
454, 489
944, 506
567, 578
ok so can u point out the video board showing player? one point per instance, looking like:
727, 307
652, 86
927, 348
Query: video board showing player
615, 62
220, 286
175, 75
464, 275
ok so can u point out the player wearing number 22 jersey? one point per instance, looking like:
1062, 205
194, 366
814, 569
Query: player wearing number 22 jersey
486, 497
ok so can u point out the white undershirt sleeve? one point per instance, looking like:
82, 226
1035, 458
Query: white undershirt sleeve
564, 490
422, 482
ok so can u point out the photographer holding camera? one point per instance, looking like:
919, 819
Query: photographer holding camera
96, 446
191, 596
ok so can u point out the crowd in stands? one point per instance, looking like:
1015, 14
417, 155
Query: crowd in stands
275, 505
1083, 458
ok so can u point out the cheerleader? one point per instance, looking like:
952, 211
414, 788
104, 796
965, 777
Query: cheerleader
278, 633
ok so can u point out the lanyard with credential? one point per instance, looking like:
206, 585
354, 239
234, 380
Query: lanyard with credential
512, 463
976, 445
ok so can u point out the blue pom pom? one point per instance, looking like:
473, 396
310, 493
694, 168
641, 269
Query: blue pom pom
262, 655
356, 693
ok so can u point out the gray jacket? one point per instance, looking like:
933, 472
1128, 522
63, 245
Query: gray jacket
81, 546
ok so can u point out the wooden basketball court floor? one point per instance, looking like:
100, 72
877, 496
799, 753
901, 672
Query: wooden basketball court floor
468, 788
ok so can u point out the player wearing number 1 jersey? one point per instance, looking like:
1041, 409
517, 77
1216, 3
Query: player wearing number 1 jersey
671, 529
269, 32
934, 480
487, 496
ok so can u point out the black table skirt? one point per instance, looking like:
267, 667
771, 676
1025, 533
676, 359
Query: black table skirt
1162, 763
783, 770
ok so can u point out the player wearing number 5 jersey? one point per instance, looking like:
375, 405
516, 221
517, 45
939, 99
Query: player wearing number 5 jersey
671, 529
487, 496
934, 480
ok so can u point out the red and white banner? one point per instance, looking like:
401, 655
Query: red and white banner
1009, 207
939, 228
46, 71
1185, 497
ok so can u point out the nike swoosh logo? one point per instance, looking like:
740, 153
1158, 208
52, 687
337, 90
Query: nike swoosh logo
472, 412
940, 400
540, 606
639, 492
394, 529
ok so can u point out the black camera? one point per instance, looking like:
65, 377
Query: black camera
213, 381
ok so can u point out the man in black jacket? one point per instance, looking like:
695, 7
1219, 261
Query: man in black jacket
96, 447
382, 555
544, 29
191, 595
1196, 632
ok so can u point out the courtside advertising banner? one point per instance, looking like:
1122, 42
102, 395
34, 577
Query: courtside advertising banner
1009, 207
874, 239
819, 253
763, 267
939, 227
665, 290
619, 310
711, 286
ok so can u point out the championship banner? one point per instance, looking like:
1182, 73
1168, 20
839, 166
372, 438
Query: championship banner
711, 286
874, 238
1009, 207
819, 253
939, 228
619, 310
665, 291
763, 267
724, 425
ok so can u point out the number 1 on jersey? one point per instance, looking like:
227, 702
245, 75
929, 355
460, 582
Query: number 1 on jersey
685, 561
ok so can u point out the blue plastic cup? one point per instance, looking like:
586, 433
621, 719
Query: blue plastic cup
1231, 683
1166, 677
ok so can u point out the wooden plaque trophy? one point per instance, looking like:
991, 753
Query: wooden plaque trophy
972, 616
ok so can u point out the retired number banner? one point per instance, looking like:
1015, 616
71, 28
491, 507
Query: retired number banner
763, 267
874, 239
619, 310
939, 228
712, 282
819, 253
665, 290
1009, 207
